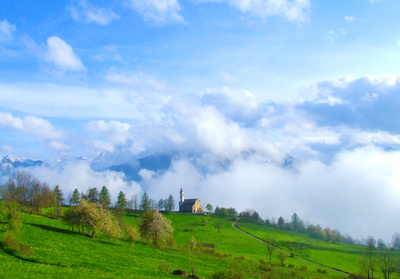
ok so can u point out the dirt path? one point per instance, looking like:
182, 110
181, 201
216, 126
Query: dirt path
278, 248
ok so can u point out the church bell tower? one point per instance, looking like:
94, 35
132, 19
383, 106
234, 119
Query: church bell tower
182, 198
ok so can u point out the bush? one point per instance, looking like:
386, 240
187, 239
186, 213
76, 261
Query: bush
303, 268
322, 271
290, 265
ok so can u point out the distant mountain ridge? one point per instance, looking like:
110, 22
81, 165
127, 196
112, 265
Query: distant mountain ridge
10, 163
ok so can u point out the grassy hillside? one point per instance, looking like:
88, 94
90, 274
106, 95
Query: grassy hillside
59, 253
336, 255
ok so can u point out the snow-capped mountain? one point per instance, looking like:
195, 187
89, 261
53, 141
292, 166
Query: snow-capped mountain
10, 163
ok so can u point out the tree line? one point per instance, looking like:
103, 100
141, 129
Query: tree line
32, 195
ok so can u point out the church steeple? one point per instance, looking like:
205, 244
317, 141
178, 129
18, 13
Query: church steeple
182, 197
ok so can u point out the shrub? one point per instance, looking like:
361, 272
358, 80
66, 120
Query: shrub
290, 265
303, 268
322, 271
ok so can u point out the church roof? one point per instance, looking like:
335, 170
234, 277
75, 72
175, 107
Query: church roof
189, 201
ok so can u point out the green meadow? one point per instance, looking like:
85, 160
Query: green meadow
59, 253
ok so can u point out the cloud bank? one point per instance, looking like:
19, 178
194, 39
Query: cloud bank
331, 157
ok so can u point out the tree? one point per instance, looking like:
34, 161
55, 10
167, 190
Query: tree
132, 234
380, 244
368, 261
295, 220
218, 224
121, 200
396, 241
14, 230
232, 212
89, 217
192, 248
41, 196
387, 263
121, 204
169, 203
114, 230
145, 202
282, 256
144, 227
209, 207
105, 197
281, 222
160, 228
135, 203
93, 195
75, 198
58, 198
153, 204
19, 188
270, 245
161, 204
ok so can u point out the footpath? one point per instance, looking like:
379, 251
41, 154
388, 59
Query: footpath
278, 248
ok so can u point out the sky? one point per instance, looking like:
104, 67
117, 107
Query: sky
280, 106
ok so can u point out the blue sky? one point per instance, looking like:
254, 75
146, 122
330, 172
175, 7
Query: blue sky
229, 89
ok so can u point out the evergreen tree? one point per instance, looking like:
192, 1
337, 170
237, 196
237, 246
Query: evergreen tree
104, 197
295, 221
121, 200
170, 204
93, 195
145, 202
121, 204
75, 199
58, 196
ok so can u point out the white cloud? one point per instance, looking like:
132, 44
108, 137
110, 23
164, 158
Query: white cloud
358, 193
158, 11
62, 55
82, 10
6, 29
146, 174
349, 18
296, 11
78, 174
112, 133
39, 128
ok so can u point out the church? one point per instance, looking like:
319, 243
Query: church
189, 205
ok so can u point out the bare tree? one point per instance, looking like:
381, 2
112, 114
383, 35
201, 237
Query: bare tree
270, 245
282, 256
387, 263
368, 261
218, 224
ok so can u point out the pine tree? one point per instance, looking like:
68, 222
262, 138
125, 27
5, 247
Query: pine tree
58, 196
104, 197
145, 202
75, 199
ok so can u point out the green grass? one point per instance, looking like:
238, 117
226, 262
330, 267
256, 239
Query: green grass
59, 253
337, 255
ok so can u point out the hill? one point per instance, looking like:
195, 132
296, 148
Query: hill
60, 253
